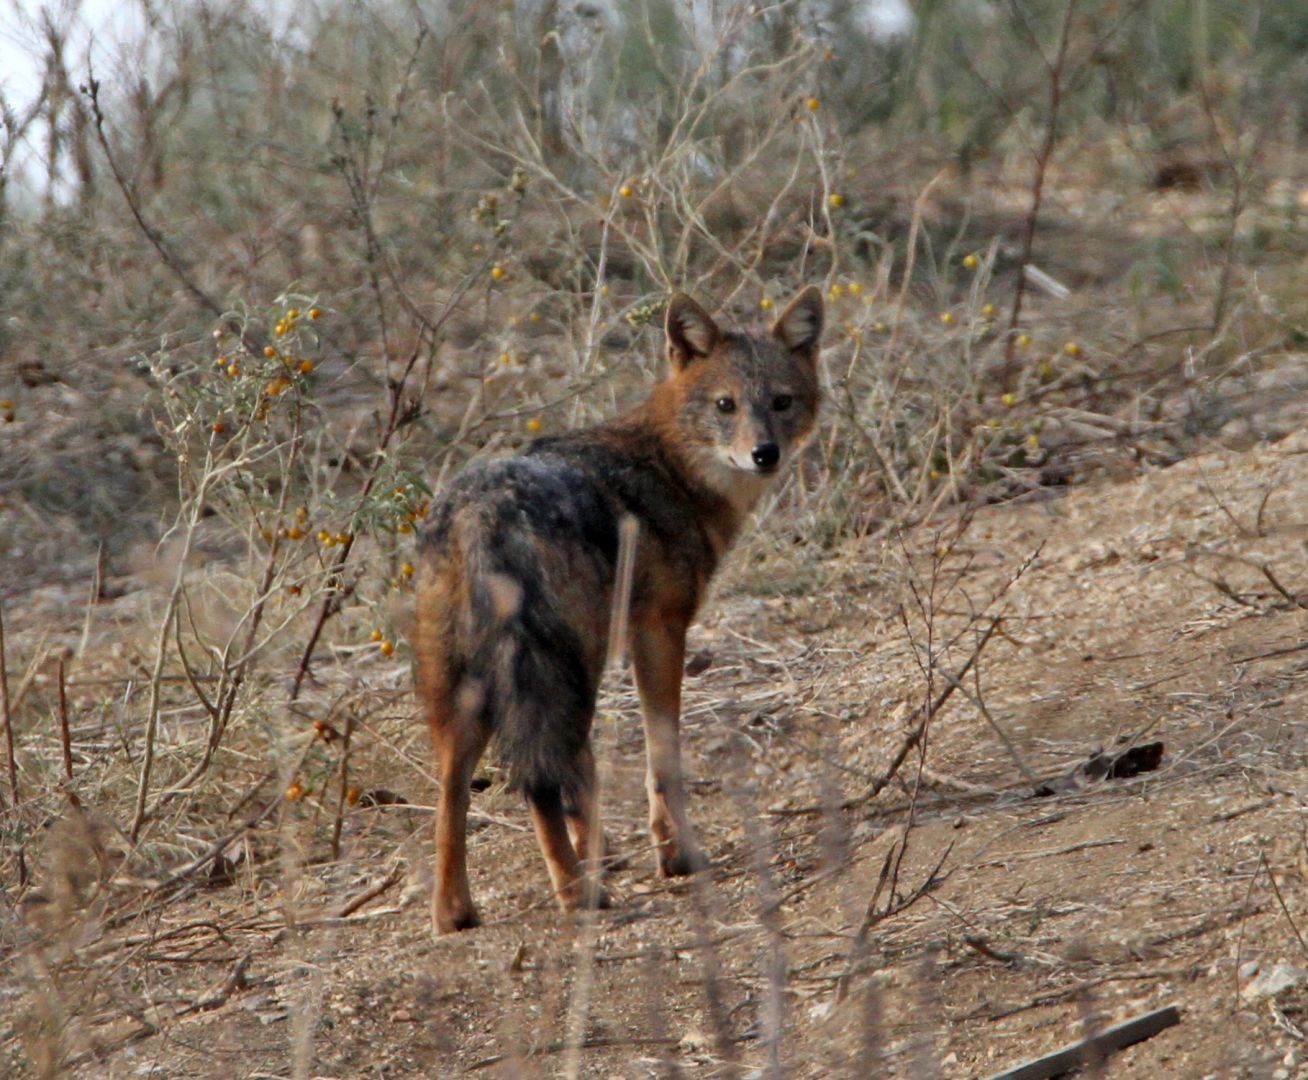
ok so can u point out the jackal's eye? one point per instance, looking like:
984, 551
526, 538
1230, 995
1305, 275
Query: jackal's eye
726, 405
782, 402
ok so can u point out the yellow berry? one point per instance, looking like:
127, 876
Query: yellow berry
971, 262
324, 536
306, 366
854, 287
604, 290
534, 316
269, 351
1008, 400
342, 538
1023, 340
946, 317
1072, 349
404, 527
765, 303
497, 272
407, 569
812, 104
233, 370
1033, 441
279, 329
220, 361
626, 191
835, 200
988, 310
315, 313
386, 648
295, 533
534, 424
6, 403
376, 635
292, 314
879, 327
836, 291
506, 358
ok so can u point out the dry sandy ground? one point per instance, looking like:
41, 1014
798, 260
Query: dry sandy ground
1146, 616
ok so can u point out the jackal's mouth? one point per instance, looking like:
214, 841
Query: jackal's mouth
753, 468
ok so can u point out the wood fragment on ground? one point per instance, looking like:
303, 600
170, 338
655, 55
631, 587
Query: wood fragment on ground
1071, 1057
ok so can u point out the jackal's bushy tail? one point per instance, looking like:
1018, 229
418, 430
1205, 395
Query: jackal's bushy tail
525, 671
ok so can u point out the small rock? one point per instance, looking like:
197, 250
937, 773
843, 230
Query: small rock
1273, 981
821, 1010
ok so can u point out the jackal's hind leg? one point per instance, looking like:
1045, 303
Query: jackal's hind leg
582, 811
560, 856
459, 745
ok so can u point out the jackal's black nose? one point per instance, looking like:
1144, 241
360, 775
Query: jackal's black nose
766, 455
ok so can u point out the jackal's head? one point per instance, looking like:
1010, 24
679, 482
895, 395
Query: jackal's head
743, 402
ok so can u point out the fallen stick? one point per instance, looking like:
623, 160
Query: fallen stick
372, 891
1094, 1048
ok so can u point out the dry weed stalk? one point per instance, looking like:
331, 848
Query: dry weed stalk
11, 761
583, 984
1057, 69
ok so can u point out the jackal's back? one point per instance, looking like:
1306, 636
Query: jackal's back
517, 564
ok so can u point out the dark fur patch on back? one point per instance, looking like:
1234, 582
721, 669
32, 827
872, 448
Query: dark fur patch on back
532, 532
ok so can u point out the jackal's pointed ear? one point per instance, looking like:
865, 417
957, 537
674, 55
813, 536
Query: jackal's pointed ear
799, 327
691, 331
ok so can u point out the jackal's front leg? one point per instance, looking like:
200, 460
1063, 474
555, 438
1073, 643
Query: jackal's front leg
658, 652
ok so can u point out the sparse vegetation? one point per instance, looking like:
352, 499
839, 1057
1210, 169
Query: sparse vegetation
266, 284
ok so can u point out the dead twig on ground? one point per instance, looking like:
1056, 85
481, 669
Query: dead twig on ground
370, 893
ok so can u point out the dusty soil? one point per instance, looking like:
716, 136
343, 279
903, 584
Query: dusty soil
1145, 615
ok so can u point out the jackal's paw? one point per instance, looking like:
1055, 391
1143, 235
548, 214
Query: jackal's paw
578, 898
680, 862
452, 918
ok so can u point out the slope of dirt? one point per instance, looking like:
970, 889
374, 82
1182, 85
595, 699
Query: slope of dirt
1165, 608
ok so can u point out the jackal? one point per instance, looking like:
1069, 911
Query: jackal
517, 574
